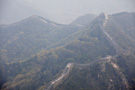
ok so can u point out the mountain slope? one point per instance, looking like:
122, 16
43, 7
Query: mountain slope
106, 73
109, 74
129, 18
102, 37
117, 26
27, 37
90, 45
84, 20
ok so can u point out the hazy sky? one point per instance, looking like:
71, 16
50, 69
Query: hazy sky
84, 6
61, 11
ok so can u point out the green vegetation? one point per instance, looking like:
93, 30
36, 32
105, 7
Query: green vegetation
42, 50
21, 40
91, 45
95, 78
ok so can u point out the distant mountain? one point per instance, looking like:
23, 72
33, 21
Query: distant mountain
120, 26
22, 39
16, 10
95, 57
129, 18
84, 20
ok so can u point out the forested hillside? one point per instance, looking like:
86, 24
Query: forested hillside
103, 44
112, 74
25, 38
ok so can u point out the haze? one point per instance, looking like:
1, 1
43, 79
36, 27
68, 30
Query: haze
61, 11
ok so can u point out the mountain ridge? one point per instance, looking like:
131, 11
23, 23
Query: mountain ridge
105, 18
33, 30
95, 41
